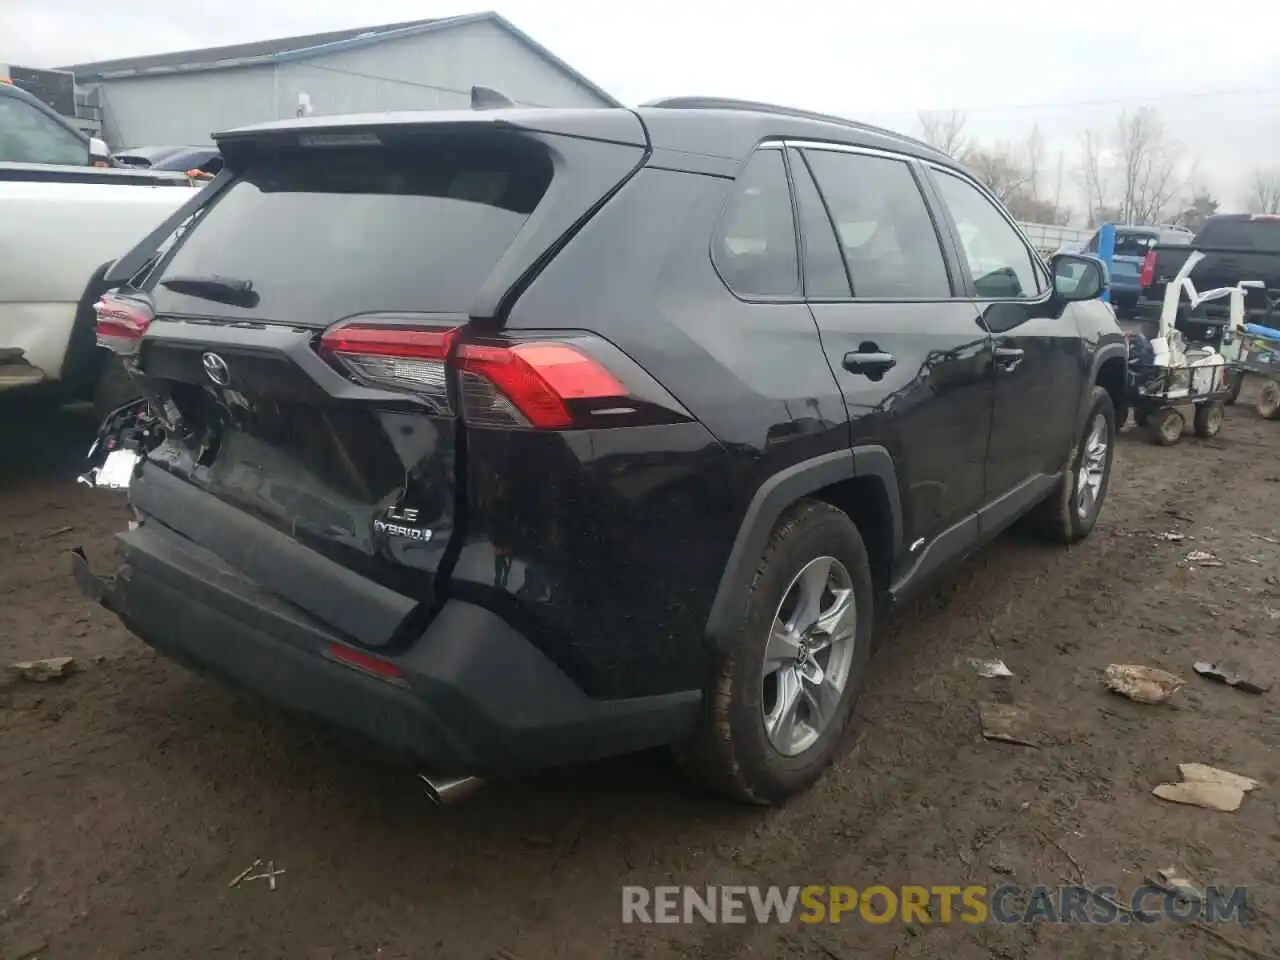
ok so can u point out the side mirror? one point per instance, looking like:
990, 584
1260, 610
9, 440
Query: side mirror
1077, 277
99, 155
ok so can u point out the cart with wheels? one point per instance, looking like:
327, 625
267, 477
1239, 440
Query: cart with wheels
1259, 354
1170, 379
1165, 398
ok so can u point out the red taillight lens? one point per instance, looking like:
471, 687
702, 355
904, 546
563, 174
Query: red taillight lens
352, 657
502, 384
529, 384
393, 356
1148, 269
121, 323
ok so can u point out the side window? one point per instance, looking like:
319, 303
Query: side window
1092, 245
28, 136
754, 247
884, 228
824, 270
999, 261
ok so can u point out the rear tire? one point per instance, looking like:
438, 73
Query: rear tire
744, 747
114, 387
1268, 403
1237, 384
1070, 512
1166, 427
1208, 419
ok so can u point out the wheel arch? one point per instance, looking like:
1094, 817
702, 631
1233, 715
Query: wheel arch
1109, 370
861, 481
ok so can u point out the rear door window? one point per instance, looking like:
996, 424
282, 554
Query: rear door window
883, 226
327, 233
825, 276
754, 248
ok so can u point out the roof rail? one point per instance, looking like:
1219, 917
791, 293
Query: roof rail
753, 106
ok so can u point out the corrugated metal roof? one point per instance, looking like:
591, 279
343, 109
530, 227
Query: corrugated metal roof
235, 51
309, 45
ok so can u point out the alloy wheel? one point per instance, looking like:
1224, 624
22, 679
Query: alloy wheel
808, 657
1093, 466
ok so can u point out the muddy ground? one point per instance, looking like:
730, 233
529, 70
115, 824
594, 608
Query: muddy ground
132, 793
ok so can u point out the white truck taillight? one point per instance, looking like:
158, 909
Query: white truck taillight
122, 321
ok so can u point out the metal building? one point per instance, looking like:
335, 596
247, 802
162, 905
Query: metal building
182, 98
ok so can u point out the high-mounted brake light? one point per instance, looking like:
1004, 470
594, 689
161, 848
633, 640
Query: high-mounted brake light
530, 384
1148, 269
121, 323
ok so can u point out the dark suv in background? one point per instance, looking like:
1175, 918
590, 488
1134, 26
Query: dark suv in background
511, 438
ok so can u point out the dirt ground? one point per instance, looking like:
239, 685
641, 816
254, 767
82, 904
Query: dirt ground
132, 793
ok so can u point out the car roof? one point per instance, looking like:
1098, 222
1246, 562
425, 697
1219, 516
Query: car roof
707, 126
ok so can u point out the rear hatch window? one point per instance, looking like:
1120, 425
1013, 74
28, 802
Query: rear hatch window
324, 234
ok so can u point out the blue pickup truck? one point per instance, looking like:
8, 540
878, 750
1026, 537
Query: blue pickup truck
1132, 246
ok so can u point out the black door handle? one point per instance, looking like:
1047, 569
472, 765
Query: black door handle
1009, 357
870, 362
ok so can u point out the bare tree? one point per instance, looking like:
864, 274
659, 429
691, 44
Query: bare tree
944, 131
1093, 176
1264, 191
1149, 165
1000, 168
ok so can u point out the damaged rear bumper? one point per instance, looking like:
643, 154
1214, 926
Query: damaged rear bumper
471, 696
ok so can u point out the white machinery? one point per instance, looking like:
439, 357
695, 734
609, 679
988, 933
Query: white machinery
1180, 375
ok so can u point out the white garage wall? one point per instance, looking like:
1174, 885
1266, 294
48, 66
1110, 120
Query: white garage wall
184, 108
433, 70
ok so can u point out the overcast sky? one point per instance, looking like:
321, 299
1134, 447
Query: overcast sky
1008, 63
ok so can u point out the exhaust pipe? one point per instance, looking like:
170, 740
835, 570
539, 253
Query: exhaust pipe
443, 791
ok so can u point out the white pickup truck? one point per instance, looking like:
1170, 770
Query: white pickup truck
65, 217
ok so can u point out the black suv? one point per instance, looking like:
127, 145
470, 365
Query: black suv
511, 438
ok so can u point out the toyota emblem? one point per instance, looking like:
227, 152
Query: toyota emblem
216, 368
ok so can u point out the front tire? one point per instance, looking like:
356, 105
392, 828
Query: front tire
1166, 427
1070, 512
781, 699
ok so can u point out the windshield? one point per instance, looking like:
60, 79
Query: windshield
327, 234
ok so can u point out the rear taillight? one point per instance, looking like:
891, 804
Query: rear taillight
531, 384
393, 356
122, 321
1148, 269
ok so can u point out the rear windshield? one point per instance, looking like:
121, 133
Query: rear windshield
1260, 233
1134, 243
327, 233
